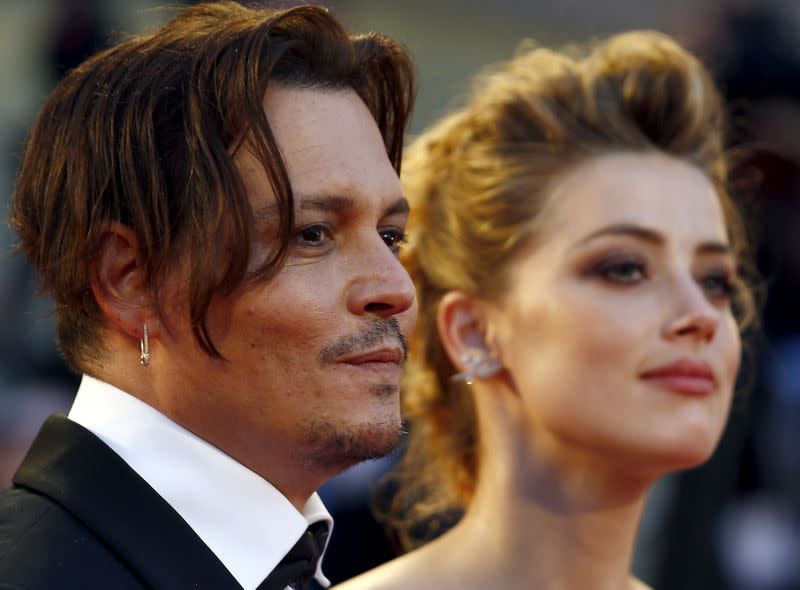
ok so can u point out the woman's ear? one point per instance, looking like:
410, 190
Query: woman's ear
461, 322
119, 284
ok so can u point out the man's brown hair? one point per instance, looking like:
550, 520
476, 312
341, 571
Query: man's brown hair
144, 134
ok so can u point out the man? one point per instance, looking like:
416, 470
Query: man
216, 211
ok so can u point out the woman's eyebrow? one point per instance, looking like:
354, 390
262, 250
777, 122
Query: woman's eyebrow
625, 229
652, 236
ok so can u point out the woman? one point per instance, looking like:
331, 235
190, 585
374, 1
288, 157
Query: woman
578, 265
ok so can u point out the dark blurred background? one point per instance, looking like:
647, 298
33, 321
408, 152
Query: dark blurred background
732, 524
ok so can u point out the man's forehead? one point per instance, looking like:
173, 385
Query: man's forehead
333, 153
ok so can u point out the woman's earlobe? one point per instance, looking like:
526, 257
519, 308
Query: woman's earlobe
479, 364
462, 332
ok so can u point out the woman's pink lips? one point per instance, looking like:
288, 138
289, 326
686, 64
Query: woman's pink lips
685, 377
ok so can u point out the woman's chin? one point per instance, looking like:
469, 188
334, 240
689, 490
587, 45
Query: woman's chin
683, 454
654, 457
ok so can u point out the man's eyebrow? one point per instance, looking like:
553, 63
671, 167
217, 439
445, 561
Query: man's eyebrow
399, 207
317, 203
328, 204
651, 236
332, 203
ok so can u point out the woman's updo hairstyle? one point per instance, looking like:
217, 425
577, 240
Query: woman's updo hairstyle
477, 181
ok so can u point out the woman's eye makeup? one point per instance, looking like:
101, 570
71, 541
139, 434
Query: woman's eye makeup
620, 269
719, 284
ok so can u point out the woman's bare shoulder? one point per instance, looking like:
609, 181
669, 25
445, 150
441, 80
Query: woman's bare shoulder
413, 570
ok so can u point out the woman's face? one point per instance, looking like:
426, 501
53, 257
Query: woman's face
616, 329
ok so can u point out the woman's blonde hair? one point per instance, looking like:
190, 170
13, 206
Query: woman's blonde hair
477, 181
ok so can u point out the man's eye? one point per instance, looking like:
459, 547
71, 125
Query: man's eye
314, 235
394, 238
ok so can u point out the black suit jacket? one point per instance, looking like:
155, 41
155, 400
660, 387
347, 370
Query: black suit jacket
79, 518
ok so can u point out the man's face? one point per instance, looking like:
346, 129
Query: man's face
315, 355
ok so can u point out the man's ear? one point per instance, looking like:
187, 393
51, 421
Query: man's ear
462, 328
119, 285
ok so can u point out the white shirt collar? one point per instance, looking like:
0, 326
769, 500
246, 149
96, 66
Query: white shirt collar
254, 526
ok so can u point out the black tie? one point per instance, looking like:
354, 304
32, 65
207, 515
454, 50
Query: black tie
298, 567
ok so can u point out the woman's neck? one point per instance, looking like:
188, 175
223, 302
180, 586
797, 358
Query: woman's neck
549, 519
530, 545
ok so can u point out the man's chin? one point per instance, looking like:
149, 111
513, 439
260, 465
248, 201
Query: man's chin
335, 447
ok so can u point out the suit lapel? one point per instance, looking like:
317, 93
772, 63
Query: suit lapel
77, 470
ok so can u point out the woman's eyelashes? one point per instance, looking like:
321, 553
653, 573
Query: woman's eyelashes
719, 283
619, 269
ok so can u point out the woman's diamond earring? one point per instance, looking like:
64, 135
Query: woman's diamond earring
478, 365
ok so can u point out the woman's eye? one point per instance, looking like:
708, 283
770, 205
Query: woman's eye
394, 238
622, 272
314, 235
718, 286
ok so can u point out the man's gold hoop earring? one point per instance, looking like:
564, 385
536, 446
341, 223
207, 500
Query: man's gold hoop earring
144, 358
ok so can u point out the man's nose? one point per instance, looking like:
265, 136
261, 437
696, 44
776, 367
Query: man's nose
382, 286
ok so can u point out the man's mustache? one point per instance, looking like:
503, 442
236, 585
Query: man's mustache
376, 333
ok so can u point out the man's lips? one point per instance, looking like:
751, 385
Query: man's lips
379, 355
685, 376
387, 358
